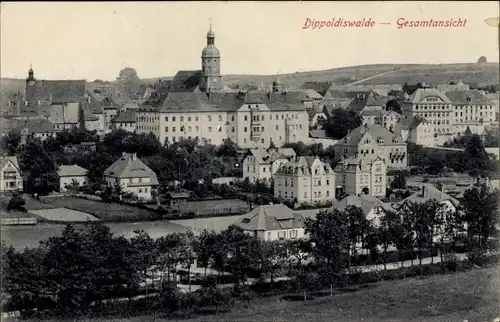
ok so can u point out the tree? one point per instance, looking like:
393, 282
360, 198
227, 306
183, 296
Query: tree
16, 202
478, 163
480, 212
11, 142
205, 248
482, 60
330, 234
393, 105
365, 190
40, 169
399, 181
341, 122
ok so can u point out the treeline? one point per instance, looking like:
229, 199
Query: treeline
86, 271
474, 160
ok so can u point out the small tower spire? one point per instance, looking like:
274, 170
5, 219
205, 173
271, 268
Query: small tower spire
210, 20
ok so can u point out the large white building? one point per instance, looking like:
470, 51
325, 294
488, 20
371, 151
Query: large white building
196, 105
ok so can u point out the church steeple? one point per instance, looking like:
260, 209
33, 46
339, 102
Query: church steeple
210, 35
31, 75
211, 79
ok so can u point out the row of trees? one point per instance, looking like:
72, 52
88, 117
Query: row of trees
474, 160
83, 268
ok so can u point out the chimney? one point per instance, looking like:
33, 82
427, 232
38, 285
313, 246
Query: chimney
424, 191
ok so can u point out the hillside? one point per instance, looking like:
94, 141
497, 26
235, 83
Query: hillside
394, 74
399, 74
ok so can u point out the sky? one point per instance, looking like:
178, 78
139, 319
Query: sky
95, 40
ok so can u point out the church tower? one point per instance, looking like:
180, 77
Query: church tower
211, 80
31, 77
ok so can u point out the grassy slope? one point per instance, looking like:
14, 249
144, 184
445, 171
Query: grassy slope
472, 296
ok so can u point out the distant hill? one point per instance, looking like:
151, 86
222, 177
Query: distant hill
432, 74
399, 74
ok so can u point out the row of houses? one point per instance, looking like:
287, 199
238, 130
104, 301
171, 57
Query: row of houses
278, 222
131, 173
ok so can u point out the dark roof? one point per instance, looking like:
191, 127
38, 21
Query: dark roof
474, 97
271, 217
33, 125
178, 195
186, 81
320, 87
229, 101
62, 91
127, 116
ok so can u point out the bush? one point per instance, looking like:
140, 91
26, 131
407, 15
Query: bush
16, 202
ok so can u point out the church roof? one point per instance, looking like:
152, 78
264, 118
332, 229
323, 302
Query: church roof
210, 52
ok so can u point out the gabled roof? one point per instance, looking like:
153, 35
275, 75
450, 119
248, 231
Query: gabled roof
230, 101
376, 101
376, 131
354, 162
428, 192
312, 94
71, 171
62, 91
127, 116
473, 97
319, 87
9, 159
271, 217
33, 125
410, 123
422, 93
185, 81
302, 166
129, 166
365, 202
267, 156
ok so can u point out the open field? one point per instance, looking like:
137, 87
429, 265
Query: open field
29, 236
472, 74
214, 206
468, 296
64, 214
102, 210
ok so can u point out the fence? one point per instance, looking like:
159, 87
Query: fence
17, 221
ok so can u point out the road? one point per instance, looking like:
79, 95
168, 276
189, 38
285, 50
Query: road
372, 77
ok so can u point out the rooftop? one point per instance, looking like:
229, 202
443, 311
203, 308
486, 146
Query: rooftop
71, 171
130, 166
271, 217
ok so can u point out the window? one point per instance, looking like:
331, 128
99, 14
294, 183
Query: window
166, 128
189, 129
140, 190
277, 127
196, 118
245, 129
232, 129
262, 140
173, 118
262, 129
282, 234
246, 118
173, 128
232, 118
166, 118
189, 118
262, 118
182, 129
219, 128
328, 193
264, 169
210, 118
182, 118
293, 233
268, 235
220, 117
327, 182
209, 129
